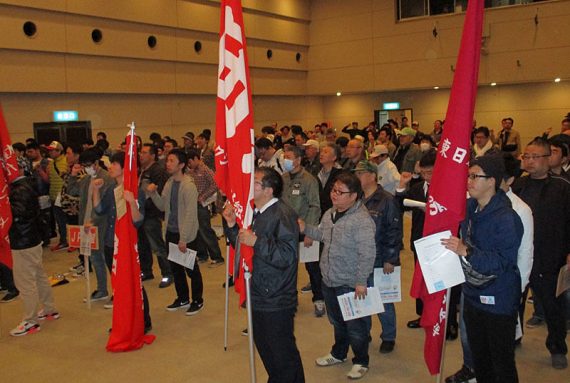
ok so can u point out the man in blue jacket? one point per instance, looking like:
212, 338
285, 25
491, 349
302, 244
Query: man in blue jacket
490, 237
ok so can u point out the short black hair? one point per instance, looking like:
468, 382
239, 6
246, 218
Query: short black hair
386, 128
172, 141
119, 157
268, 130
263, 143
207, 134
154, 136
542, 142
296, 129
152, 148
295, 150
89, 156
271, 179
102, 134
484, 130
428, 159
204, 136
193, 153
32, 145
512, 166
351, 181
19, 146
180, 156
103, 144
75, 148
561, 143
342, 142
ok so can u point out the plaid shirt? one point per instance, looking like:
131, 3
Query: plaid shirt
204, 180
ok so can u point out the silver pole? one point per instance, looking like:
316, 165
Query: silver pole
447, 298
247, 276
227, 297
87, 279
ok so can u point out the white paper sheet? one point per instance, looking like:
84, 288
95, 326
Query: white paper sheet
309, 254
85, 239
357, 308
389, 285
441, 267
187, 259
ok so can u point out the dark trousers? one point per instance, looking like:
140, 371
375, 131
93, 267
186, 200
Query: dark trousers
353, 333
275, 342
314, 271
7, 279
544, 288
61, 220
153, 243
207, 239
145, 253
419, 302
44, 224
491, 338
179, 272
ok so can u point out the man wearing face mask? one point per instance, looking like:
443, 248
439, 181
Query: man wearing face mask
83, 188
301, 192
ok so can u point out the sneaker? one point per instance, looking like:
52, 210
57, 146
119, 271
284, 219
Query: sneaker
25, 328
414, 323
178, 304
357, 371
306, 289
165, 282
42, 315
195, 308
79, 272
387, 346
59, 246
320, 309
464, 375
534, 322
216, 263
78, 267
328, 360
230, 282
9, 297
559, 361
97, 296
244, 332
109, 304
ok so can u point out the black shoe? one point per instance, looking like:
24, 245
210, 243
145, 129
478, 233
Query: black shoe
9, 297
147, 329
387, 347
414, 323
147, 277
178, 304
465, 375
451, 332
195, 308
165, 282
230, 282
244, 332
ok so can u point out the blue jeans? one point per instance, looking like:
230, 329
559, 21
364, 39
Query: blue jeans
61, 220
353, 333
98, 260
467, 356
388, 321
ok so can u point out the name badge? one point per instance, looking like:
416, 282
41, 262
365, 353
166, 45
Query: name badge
296, 192
487, 300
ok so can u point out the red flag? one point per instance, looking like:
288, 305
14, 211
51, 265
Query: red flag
447, 191
234, 126
128, 319
8, 173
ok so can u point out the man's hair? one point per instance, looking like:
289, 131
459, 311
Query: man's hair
154, 136
102, 134
303, 135
351, 181
193, 153
541, 142
33, 145
512, 166
173, 142
271, 179
484, 130
19, 147
324, 125
103, 144
268, 130
151, 148
295, 150
75, 148
263, 143
119, 157
561, 144
180, 156
204, 136
342, 142
207, 134
508, 119
386, 128
428, 159
334, 147
296, 129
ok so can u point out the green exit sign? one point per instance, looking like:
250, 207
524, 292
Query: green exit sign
65, 115
391, 106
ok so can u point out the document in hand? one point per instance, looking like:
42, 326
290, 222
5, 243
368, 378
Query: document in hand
309, 254
186, 259
441, 267
390, 285
352, 308
563, 280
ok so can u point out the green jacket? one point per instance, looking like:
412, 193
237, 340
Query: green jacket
301, 192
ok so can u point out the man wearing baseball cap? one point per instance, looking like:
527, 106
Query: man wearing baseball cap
311, 161
407, 153
388, 176
56, 169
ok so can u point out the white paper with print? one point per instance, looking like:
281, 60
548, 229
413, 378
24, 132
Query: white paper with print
389, 285
186, 259
352, 308
309, 254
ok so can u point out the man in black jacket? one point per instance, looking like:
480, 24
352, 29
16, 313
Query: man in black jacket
274, 238
26, 245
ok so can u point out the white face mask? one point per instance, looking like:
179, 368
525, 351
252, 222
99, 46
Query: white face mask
91, 171
424, 146
288, 165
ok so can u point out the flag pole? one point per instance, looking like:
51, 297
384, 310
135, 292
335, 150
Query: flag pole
247, 276
87, 278
447, 299
227, 304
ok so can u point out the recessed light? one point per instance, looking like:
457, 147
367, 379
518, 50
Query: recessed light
338, 94
557, 79
493, 84
436, 87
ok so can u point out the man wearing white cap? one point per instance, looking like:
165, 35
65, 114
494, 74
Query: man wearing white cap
311, 161
388, 175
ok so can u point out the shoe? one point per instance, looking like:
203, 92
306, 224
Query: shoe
147, 329
97, 296
109, 304
25, 328
178, 304
195, 308
147, 277
76, 268
414, 323
465, 375
306, 289
230, 282
79, 272
559, 361
42, 315
387, 346
328, 360
9, 297
71, 249
165, 282
216, 263
534, 322
357, 371
244, 332
452, 332
320, 309
59, 246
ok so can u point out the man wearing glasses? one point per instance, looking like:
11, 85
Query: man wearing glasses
549, 199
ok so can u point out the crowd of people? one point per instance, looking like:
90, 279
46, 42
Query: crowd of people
343, 189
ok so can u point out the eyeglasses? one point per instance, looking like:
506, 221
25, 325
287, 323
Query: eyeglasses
339, 192
533, 157
473, 177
